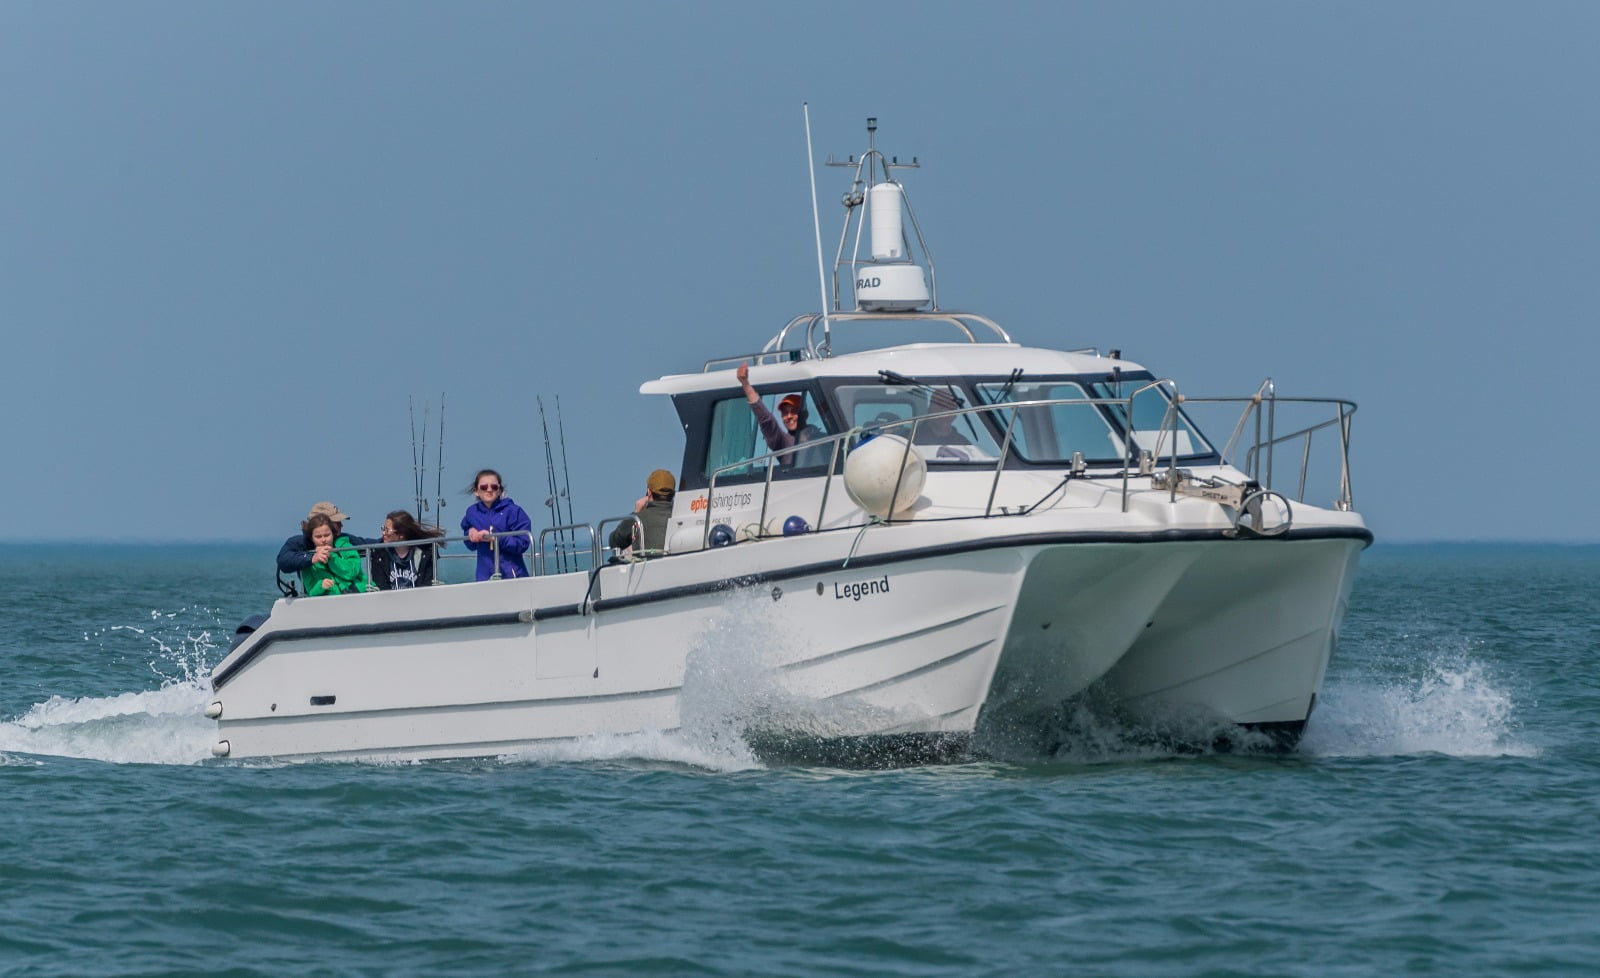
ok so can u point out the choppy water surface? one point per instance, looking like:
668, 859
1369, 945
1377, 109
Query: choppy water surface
1439, 818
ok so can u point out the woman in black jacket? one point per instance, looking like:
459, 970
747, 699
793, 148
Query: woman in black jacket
403, 567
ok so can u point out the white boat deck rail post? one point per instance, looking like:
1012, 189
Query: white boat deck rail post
1262, 408
1147, 457
564, 549
1005, 449
1344, 409
602, 539
469, 555
494, 543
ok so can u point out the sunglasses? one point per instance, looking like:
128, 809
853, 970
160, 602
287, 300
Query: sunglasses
488, 488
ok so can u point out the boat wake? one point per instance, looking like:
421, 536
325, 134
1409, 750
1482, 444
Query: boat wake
1456, 706
1452, 706
732, 701
736, 715
670, 748
164, 725
161, 726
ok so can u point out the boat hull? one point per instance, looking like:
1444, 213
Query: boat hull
1246, 636
899, 638
1188, 639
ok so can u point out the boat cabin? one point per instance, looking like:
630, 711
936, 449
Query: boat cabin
967, 407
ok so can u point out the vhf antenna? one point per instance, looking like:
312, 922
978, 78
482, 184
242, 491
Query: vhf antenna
868, 158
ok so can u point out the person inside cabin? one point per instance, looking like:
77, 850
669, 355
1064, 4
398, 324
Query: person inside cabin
942, 431
791, 430
496, 517
654, 510
336, 565
394, 568
298, 552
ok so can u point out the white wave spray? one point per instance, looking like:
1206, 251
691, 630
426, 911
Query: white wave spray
1448, 704
1455, 706
734, 690
161, 726
165, 725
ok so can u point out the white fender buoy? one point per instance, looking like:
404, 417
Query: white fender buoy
685, 539
874, 468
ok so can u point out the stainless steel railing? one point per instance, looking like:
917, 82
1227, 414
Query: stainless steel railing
1259, 417
1258, 461
1262, 408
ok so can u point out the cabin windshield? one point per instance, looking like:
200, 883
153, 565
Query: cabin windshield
1052, 432
890, 408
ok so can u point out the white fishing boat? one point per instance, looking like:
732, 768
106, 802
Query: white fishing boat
972, 533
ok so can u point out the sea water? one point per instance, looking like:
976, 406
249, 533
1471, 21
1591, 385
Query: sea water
1441, 817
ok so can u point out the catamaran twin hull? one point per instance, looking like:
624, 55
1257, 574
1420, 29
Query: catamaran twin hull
926, 633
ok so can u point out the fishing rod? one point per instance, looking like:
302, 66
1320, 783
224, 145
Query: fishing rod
438, 475
416, 472
419, 462
553, 500
422, 479
566, 488
566, 472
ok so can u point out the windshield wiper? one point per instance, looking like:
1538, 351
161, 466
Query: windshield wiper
1005, 392
890, 377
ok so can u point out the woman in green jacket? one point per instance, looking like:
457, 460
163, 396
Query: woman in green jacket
335, 564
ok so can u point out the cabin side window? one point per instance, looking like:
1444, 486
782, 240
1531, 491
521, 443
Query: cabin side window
736, 445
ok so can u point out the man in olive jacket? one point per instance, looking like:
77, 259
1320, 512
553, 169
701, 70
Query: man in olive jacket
654, 510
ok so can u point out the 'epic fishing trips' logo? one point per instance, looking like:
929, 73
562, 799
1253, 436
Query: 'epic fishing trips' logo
723, 500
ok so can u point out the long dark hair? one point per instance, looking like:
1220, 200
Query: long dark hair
406, 527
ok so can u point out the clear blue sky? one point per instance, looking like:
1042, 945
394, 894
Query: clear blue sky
234, 237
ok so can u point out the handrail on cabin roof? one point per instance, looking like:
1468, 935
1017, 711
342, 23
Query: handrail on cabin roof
957, 319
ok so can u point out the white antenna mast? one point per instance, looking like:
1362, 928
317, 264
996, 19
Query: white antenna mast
816, 224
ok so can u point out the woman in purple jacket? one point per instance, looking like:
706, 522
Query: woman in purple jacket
494, 513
